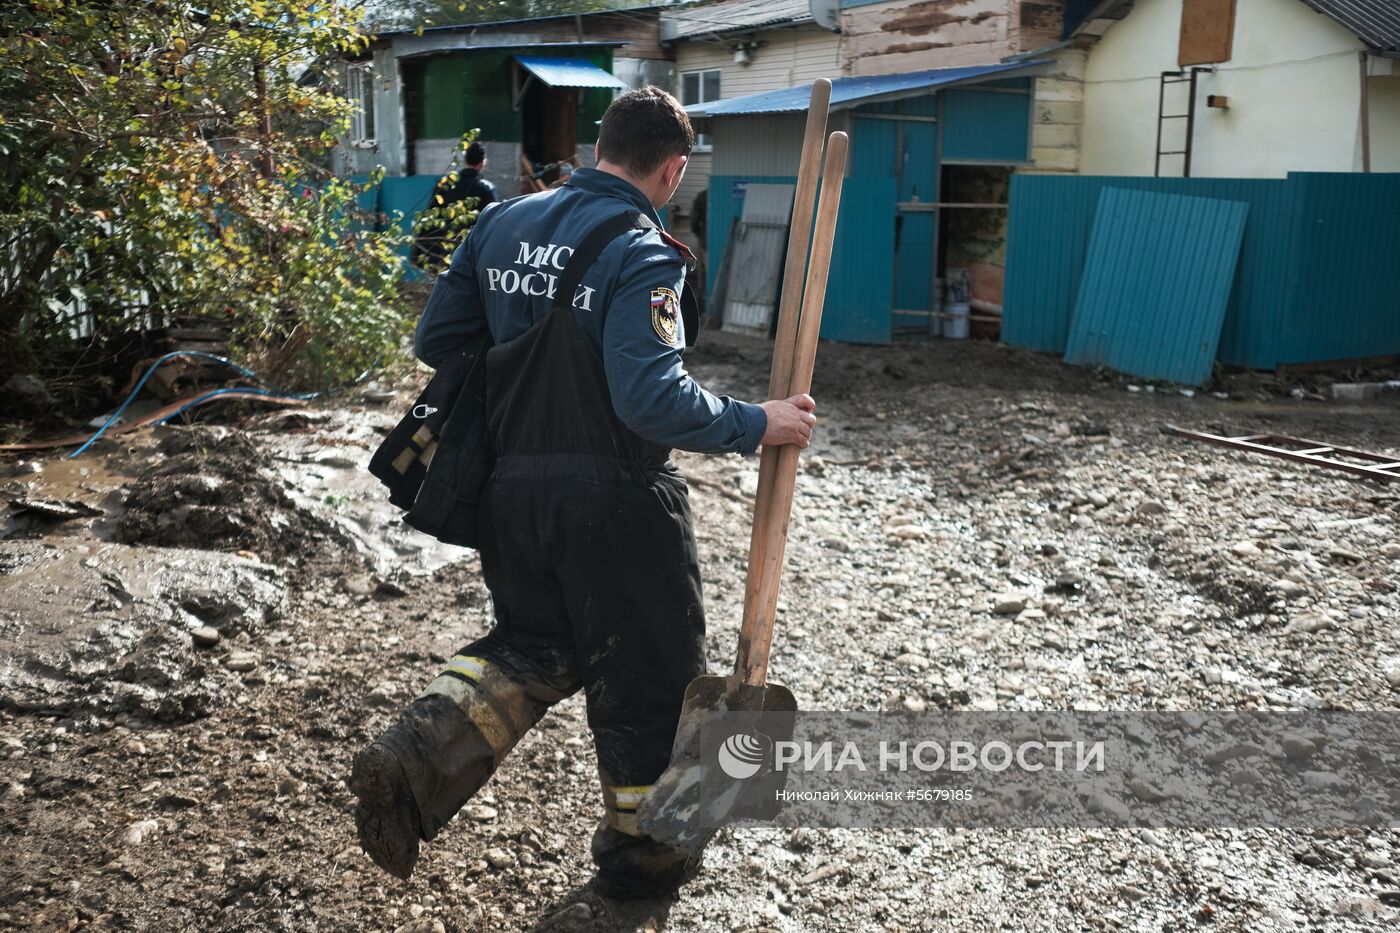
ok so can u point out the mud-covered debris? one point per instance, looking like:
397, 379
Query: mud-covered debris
106, 628
215, 489
54, 509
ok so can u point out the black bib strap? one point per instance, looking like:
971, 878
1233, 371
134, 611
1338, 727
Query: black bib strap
590, 249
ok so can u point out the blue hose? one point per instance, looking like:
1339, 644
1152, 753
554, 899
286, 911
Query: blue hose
140, 384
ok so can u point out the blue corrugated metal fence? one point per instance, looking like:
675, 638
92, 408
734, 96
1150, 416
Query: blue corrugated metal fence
1140, 310
1317, 274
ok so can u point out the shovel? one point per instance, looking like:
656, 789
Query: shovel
682, 809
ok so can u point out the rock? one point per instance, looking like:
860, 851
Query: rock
1151, 507
1246, 549
1246, 777
1146, 791
1008, 604
572, 917
360, 584
206, 636
140, 831
1231, 752
1297, 748
240, 662
1097, 499
499, 858
1305, 623
915, 662
1391, 549
1108, 805
422, 925
481, 812
1290, 589
801, 839
1322, 780
29, 393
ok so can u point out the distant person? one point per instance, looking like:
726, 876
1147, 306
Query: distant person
469, 184
470, 181
698, 209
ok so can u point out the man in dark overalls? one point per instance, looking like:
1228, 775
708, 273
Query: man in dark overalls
590, 555
468, 184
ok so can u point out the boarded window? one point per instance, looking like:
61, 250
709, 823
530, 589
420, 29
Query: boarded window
1207, 30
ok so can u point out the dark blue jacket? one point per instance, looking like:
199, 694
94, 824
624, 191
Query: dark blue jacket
503, 278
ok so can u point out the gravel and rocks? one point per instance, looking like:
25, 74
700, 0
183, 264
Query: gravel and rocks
975, 528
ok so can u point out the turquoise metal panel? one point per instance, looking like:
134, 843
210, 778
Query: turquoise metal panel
1345, 282
401, 199
859, 290
1048, 238
874, 146
861, 284
986, 126
1156, 284
918, 161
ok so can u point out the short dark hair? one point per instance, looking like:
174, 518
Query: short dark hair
642, 129
476, 154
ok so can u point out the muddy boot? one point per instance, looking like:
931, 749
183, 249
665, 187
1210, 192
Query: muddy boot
446, 744
386, 815
638, 867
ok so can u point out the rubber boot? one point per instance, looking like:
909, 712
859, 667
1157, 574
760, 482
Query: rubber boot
637, 867
415, 777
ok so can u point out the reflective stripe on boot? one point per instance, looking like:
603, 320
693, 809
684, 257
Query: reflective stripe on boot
621, 803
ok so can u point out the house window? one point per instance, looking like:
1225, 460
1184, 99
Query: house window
700, 87
359, 88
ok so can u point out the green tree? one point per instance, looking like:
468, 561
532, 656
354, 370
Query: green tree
163, 161
424, 13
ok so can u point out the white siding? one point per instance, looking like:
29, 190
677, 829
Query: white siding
762, 144
789, 57
1293, 86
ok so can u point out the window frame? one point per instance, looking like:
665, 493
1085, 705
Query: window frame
703, 143
359, 89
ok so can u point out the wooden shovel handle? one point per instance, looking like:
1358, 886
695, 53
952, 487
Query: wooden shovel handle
789, 309
756, 634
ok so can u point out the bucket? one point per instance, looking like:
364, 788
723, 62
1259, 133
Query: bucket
956, 320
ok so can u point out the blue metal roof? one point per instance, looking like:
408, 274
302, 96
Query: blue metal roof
848, 92
568, 72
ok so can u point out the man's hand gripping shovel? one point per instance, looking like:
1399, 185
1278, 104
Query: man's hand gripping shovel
696, 795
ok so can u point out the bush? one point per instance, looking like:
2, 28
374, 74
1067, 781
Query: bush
165, 163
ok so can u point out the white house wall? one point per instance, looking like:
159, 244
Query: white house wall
1293, 87
788, 57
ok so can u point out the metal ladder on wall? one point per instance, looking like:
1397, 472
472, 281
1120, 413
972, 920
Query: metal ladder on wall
1169, 78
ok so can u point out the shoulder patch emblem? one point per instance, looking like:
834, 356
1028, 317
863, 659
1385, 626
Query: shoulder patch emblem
665, 313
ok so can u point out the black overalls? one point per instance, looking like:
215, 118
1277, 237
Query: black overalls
592, 567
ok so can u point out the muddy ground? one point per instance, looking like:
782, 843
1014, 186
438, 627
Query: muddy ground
187, 673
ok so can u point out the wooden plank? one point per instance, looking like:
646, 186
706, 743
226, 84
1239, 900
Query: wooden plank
1207, 32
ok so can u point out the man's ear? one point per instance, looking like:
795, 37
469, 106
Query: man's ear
674, 168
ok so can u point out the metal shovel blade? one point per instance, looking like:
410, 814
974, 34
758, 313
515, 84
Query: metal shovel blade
695, 796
